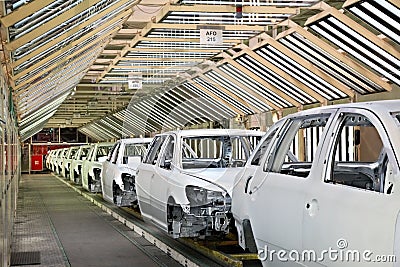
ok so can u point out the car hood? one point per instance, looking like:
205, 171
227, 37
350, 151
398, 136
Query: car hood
221, 177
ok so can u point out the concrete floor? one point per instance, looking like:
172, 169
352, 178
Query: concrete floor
68, 230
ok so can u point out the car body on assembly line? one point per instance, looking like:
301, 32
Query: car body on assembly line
53, 159
118, 174
66, 164
59, 160
324, 179
75, 171
92, 166
183, 183
50, 155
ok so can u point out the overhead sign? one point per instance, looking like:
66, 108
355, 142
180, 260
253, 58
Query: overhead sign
211, 37
135, 80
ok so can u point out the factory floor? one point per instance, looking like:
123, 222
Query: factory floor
55, 226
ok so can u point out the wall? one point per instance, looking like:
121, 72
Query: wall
9, 171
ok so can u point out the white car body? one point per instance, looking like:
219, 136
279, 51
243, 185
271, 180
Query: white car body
92, 166
75, 172
333, 186
49, 157
118, 174
53, 160
59, 160
183, 184
66, 162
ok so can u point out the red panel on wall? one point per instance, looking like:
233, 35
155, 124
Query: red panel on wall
37, 163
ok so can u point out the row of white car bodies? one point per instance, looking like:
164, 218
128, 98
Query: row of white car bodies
83, 164
320, 188
182, 184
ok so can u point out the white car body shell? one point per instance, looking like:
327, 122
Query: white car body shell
59, 160
93, 163
75, 171
156, 186
112, 171
49, 157
66, 162
53, 160
289, 213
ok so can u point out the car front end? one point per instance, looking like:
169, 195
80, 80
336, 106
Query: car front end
204, 208
125, 191
94, 177
207, 213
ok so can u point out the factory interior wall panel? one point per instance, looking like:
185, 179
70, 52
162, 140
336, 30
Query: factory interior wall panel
394, 94
9, 171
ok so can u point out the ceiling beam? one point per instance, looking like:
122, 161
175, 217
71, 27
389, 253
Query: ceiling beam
24, 11
232, 9
104, 101
101, 85
144, 75
99, 91
192, 26
172, 40
150, 67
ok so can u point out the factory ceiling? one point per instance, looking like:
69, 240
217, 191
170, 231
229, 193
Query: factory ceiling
116, 68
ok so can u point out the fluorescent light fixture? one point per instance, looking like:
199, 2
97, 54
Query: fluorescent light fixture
197, 102
276, 80
130, 119
171, 105
380, 14
328, 63
190, 112
128, 113
254, 85
299, 72
155, 115
357, 45
228, 112
239, 92
223, 18
224, 96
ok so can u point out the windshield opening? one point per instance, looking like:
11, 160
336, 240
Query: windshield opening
215, 151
